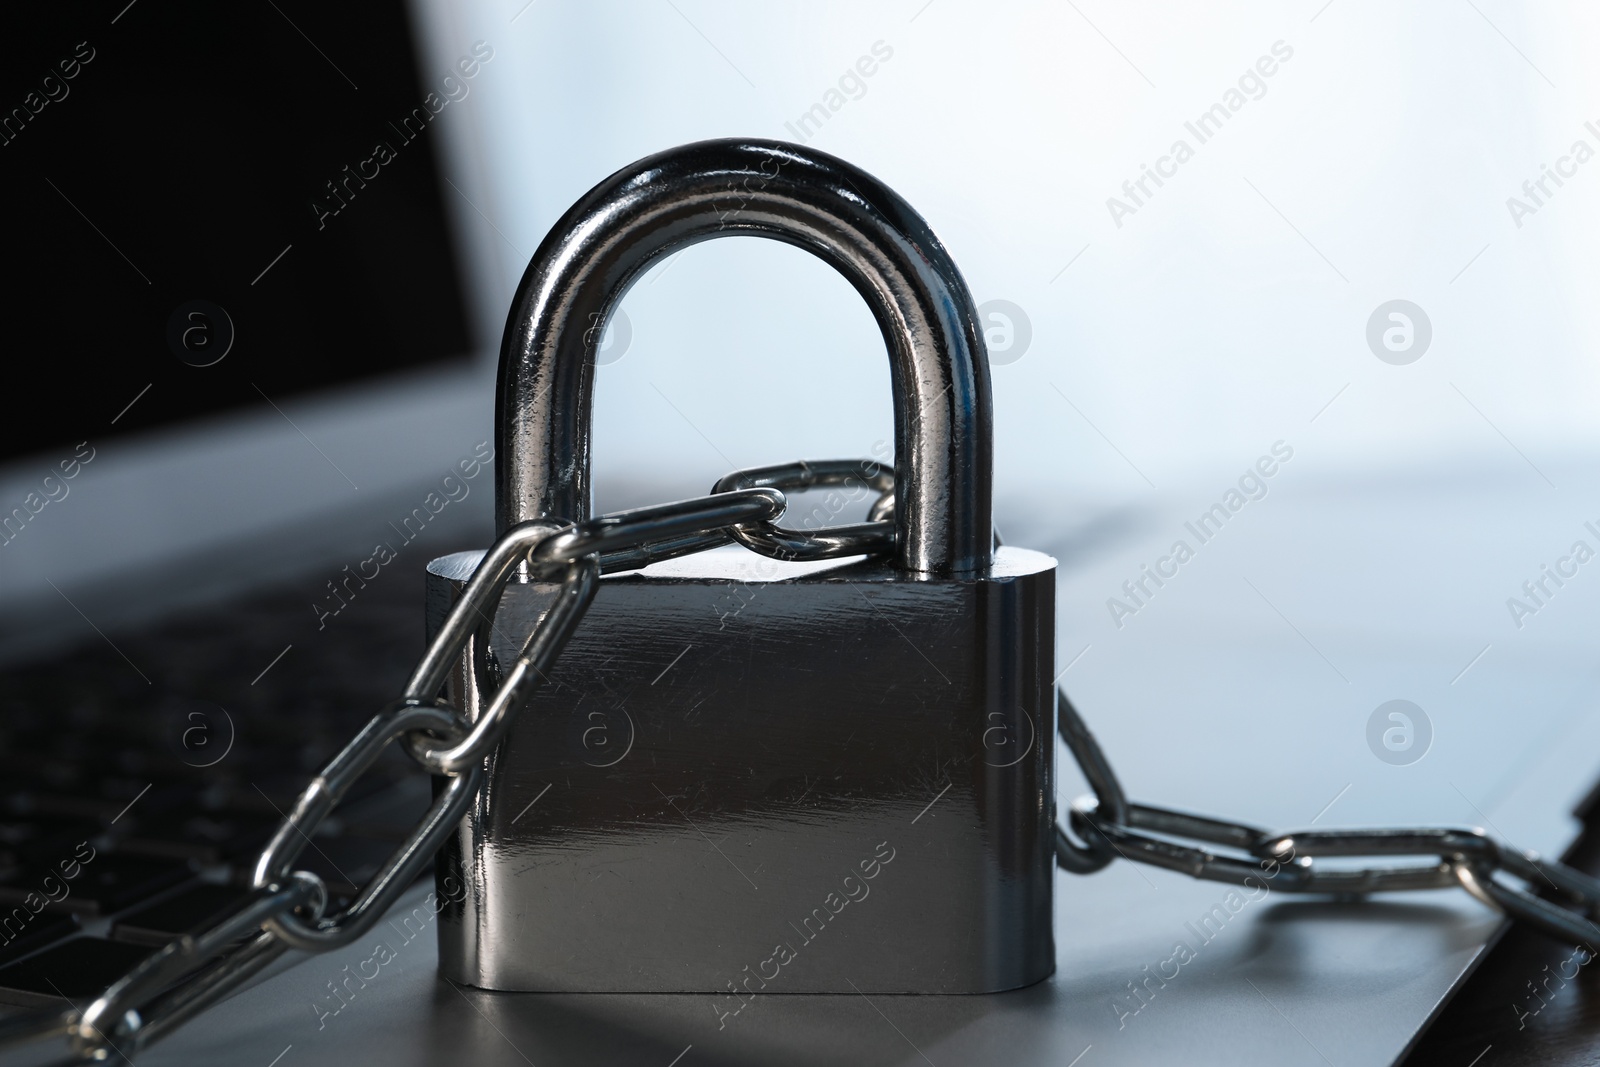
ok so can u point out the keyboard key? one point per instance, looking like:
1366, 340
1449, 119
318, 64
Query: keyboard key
82, 737
76, 970
22, 932
43, 841
206, 838
194, 908
104, 884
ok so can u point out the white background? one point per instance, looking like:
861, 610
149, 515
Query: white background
1193, 336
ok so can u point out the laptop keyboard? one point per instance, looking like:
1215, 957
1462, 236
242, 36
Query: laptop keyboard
139, 779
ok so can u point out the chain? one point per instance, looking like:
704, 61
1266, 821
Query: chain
288, 909
1110, 827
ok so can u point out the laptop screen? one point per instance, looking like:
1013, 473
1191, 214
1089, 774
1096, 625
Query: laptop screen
217, 206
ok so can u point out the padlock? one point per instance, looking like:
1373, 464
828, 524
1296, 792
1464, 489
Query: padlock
750, 775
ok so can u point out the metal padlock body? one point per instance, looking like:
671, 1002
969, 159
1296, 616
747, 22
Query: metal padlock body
746, 775
709, 784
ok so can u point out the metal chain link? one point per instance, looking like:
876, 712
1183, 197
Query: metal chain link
1108, 827
287, 908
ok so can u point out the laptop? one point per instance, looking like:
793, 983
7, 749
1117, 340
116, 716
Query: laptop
211, 573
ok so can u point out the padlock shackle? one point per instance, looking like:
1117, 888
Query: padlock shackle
665, 202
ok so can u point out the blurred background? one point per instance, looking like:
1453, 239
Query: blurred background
1351, 252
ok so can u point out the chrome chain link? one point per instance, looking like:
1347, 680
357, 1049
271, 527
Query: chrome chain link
1109, 827
287, 908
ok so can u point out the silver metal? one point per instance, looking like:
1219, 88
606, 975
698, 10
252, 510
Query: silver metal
580, 550
122, 1014
829, 542
196, 970
801, 716
325, 790
932, 516
402, 868
499, 564
1465, 857
765, 737
274, 864
1096, 852
627, 533
514, 682
665, 202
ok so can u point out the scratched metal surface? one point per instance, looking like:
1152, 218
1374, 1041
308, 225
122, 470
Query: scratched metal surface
1250, 702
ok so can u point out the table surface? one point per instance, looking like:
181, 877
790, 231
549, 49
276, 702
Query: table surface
1242, 687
